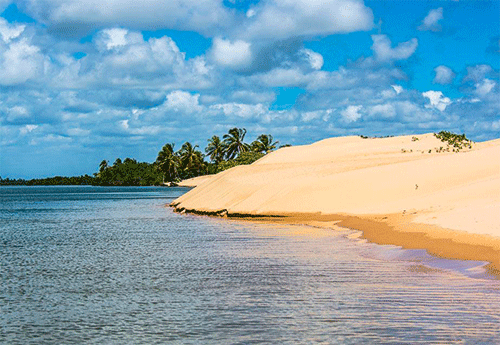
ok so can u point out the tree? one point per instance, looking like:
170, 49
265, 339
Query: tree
215, 150
234, 142
117, 162
103, 166
264, 143
168, 163
191, 160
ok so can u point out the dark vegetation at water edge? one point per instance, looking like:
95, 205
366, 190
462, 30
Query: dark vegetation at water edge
50, 181
170, 166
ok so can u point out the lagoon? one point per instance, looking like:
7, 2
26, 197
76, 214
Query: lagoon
104, 265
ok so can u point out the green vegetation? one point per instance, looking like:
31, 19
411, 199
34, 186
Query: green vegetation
188, 162
171, 165
244, 158
127, 173
456, 141
49, 181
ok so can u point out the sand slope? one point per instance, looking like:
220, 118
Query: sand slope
355, 176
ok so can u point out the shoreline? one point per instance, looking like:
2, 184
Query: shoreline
410, 191
387, 230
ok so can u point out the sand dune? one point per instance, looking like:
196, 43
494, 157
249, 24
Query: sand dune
369, 178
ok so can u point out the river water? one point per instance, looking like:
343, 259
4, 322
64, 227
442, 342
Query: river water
99, 265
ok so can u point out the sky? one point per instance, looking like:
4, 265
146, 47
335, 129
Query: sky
87, 80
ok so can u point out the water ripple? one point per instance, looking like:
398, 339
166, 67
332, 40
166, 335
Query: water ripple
114, 266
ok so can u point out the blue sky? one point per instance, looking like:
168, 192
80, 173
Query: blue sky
87, 80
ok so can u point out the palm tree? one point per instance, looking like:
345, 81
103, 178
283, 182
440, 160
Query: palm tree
103, 166
191, 159
167, 162
234, 142
264, 143
215, 149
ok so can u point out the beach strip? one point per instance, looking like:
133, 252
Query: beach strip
411, 191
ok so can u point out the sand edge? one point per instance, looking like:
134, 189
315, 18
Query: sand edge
387, 229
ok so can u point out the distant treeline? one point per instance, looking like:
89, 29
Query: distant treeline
50, 181
170, 166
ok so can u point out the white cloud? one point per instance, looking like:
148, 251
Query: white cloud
281, 19
10, 31
241, 110
315, 59
382, 110
430, 22
397, 88
250, 13
27, 129
478, 72
247, 96
351, 113
81, 16
19, 59
484, 87
285, 77
4, 4
383, 51
124, 59
444, 75
183, 101
437, 100
318, 114
235, 55
115, 37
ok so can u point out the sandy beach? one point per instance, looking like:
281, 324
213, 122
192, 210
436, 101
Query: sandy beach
411, 191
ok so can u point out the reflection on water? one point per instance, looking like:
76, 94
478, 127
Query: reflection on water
112, 265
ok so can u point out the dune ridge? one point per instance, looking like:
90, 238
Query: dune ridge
408, 185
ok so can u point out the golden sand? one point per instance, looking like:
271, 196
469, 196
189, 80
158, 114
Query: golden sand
393, 189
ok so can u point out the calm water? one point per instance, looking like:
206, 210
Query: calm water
114, 266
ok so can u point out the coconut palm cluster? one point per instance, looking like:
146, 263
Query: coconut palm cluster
187, 162
223, 154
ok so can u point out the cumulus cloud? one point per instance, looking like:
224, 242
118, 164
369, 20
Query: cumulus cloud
384, 52
241, 110
20, 59
111, 38
234, 55
81, 16
430, 22
124, 59
480, 83
382, 110
27, 129
397, 88
282, 19
315, 59
444, 75
324, 115
484, 87
247, 96
437, 100
19, 62
183, 101
10, 31
351, 113
478, 72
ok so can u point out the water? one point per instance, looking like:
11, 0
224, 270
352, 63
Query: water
114, 266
